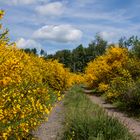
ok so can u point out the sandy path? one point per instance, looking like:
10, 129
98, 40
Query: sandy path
50, 130
132, 124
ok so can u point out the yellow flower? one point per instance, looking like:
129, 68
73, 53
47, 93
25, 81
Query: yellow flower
1, 13
9, 129
59, 98
35, 123
1, 111
18, 106
47, 111
5, 136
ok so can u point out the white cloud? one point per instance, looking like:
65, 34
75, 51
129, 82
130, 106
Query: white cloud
22, 43
51, 9
59, 33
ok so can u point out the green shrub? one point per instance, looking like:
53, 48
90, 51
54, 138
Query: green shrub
118, 88
131, 98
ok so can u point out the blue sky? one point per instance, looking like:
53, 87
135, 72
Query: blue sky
64, 24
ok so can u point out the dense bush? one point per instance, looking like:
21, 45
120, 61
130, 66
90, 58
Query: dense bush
115, 74
118, 88
25, 95
106, 67
131, 98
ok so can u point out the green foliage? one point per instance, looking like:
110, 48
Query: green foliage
118, 88
4, 37
132, 43
64, 57
78, 58
42, 52
30, 51
131, 98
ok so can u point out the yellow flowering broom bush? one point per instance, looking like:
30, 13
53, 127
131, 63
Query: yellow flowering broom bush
25, 96
104, 68
115, 73
76, 78
29, 86
56, 76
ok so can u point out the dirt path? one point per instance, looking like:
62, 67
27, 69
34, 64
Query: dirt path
50, 130
132, 124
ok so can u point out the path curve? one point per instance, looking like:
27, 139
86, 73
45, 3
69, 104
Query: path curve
52, 129
132, 124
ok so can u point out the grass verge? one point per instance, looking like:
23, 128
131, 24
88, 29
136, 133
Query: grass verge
87, 121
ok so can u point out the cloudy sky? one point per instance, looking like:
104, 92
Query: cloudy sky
64, 24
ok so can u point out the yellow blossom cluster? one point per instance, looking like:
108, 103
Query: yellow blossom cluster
105, 67
56, 76
118, 88
76, 78
29, 86
113, 73
25, 95
103, 87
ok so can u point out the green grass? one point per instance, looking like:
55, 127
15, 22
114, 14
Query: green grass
87, 121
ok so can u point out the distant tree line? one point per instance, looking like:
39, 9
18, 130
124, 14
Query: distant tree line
78, 58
